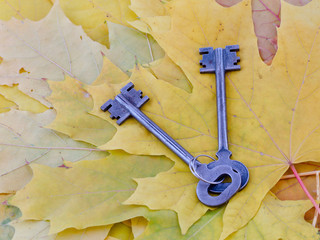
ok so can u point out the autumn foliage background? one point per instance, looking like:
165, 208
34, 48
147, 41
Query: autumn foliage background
67, 171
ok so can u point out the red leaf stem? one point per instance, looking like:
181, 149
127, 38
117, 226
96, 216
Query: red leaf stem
294, 170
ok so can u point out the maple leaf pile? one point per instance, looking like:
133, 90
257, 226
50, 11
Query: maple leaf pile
68, 171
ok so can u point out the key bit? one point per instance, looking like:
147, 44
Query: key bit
120, 112
134, 96
230, 59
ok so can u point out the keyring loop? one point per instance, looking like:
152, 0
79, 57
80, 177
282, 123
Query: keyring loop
194, 172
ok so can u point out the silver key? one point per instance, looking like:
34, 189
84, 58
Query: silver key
218, 61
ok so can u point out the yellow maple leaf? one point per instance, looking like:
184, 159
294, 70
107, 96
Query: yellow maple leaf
165, 69
22, 9
7, 214
72, 104
80, 125
129, 46
33, 52
266, 17
275, 220
278, 220
120, 231
91, 15
96, 233
138, 226
24, 141
86, 190
22, 101
6, 104
40, 230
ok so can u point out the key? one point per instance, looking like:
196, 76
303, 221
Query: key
127, 104
218, 61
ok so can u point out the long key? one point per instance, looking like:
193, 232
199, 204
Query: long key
218, 61
127, 104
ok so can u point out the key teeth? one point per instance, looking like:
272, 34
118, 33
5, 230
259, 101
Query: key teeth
127, 87
207, 70
233, 48
231, 58
202, 63
133, 96
108, 104
116, 108
123, 119
143, 101
205, 50
208, 60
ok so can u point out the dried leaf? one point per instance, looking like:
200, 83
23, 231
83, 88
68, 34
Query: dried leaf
47, 49
164, 225
87, 194
275, 220
24, 141
120, 231
81, 125
110, 73
22, 9
289, 189
32, 230
92, 15
36, 230
6, 104
266, 16
91, 233
8, 213
72, 104
139, 225
174, 190
165, 69
23, 102
278, 220
298, 2
129, 46
266, 20
149, 8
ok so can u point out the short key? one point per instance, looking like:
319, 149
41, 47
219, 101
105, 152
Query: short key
218, 61
127, 104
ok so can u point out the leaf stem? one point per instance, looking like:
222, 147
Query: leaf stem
150, 49
300, 174
296, 174
315, 217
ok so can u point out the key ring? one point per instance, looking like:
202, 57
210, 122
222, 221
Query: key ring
194, 172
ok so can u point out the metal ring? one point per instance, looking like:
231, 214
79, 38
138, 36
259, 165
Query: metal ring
194, 172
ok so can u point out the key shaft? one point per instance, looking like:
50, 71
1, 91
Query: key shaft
219, 61
221, 100
155, 130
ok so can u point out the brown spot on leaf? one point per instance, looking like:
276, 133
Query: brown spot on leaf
22, 70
